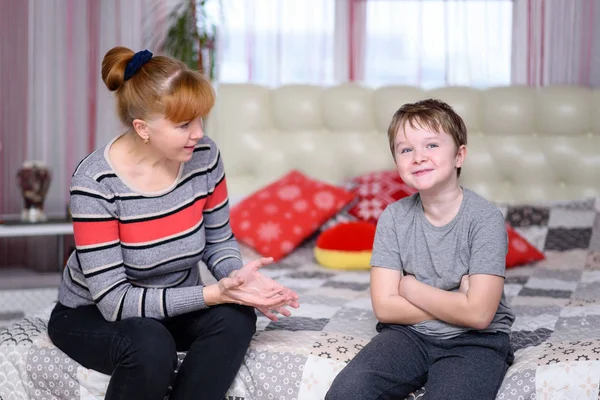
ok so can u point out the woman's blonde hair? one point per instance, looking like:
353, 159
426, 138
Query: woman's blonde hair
163, 86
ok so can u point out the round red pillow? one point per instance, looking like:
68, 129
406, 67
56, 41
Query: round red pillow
347, 245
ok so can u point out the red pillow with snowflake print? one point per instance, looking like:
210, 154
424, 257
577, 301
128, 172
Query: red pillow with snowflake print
375, 191
277, 218
520, 251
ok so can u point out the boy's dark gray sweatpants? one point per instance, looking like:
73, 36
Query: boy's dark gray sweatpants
399, 361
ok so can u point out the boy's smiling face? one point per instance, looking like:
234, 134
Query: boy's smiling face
427, 160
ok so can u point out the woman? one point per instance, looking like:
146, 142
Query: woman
147, 208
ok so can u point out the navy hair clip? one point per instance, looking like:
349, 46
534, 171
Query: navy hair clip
140, 58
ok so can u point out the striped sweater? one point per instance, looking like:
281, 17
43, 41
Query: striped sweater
137, 254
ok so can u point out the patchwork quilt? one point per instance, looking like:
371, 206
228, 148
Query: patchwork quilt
556, 335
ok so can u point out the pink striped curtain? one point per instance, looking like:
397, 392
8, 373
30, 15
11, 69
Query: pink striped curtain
357, 16
556, 42
54, 106
13, 98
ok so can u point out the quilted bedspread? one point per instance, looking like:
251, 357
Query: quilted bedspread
556, 335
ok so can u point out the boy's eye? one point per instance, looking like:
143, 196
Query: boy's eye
402, 151
184, 126
432, 145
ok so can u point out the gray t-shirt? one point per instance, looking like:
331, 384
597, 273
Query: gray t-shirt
474, 242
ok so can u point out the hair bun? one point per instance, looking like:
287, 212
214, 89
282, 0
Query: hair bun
113, 67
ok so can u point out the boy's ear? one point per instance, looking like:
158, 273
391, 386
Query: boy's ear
461, 155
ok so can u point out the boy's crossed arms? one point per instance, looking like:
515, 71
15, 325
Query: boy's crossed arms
404, 300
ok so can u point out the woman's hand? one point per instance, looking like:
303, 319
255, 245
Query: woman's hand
254, 280
233, 290
249, 287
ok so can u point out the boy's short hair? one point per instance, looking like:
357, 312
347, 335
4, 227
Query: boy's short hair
432, 114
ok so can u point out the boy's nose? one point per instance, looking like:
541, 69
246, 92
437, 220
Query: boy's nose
419, 158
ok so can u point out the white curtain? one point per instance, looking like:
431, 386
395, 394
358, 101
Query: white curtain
432, 43
54, 106
556, 42
274, 42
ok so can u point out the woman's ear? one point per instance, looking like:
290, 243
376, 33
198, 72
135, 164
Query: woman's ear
461, 155
141, 128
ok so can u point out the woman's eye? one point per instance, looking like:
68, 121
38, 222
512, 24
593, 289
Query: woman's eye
184, 126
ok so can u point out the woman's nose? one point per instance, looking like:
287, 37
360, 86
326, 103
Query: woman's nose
197, 132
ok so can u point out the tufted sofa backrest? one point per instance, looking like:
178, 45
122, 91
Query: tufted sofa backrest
524, 144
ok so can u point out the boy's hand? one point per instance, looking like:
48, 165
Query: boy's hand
405, 284
464, 284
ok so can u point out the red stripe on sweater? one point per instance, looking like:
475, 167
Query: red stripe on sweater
159, 228
91, 233
218, 196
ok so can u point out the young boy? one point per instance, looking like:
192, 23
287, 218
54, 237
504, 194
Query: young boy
437, 276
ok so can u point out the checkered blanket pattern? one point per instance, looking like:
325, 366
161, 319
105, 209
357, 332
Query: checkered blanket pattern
556, 334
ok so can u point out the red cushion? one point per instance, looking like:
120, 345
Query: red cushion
520, 251
375, 191
277, 218
348, 236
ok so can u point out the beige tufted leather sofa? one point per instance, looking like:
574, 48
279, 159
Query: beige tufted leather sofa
524, 145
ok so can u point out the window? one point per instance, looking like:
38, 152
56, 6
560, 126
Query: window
277, 41
435, 42
425, 43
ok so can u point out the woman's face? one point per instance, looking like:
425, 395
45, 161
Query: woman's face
175, 141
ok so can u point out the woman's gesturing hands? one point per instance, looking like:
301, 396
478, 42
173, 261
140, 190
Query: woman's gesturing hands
247, 286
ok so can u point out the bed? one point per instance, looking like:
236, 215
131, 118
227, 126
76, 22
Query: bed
534, 152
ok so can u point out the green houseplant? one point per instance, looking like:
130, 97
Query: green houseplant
190, 36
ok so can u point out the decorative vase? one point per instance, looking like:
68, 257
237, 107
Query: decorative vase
34, 180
